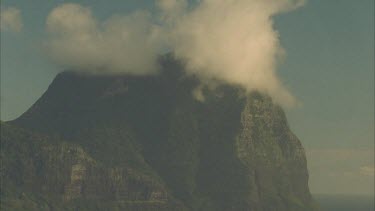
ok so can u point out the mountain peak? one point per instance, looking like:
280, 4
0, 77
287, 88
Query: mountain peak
232, 151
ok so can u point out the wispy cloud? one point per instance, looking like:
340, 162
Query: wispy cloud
341, 170
367, 170
11, 19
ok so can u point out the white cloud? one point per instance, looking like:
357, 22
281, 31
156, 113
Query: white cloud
10, 19
231, 41
121, 44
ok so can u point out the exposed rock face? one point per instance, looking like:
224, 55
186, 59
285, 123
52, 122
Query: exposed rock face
145, 143
40, 173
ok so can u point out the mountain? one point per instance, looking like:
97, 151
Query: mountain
100, 142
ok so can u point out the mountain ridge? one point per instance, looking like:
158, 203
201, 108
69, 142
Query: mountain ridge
232, 151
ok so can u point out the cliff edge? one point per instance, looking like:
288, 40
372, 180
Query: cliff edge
99, 142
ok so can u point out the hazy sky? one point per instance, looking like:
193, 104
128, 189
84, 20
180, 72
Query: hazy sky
329, 68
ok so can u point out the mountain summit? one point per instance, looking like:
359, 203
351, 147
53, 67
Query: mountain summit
99, 142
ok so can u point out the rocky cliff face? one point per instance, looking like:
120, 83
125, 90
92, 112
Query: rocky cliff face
145, 143
42, 173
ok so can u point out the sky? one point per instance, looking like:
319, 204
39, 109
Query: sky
328, 68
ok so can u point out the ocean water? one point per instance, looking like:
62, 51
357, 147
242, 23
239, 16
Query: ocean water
345, 202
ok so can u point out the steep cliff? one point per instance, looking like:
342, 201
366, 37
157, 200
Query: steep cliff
43, 173
146, 143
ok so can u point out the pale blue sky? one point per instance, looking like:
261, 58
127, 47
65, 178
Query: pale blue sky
329, 67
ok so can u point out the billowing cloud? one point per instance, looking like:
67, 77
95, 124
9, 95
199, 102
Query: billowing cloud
10, 19
121, 44
232, 41
228, 41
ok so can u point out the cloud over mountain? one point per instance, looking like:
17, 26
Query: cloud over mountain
120, 44
229, 41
